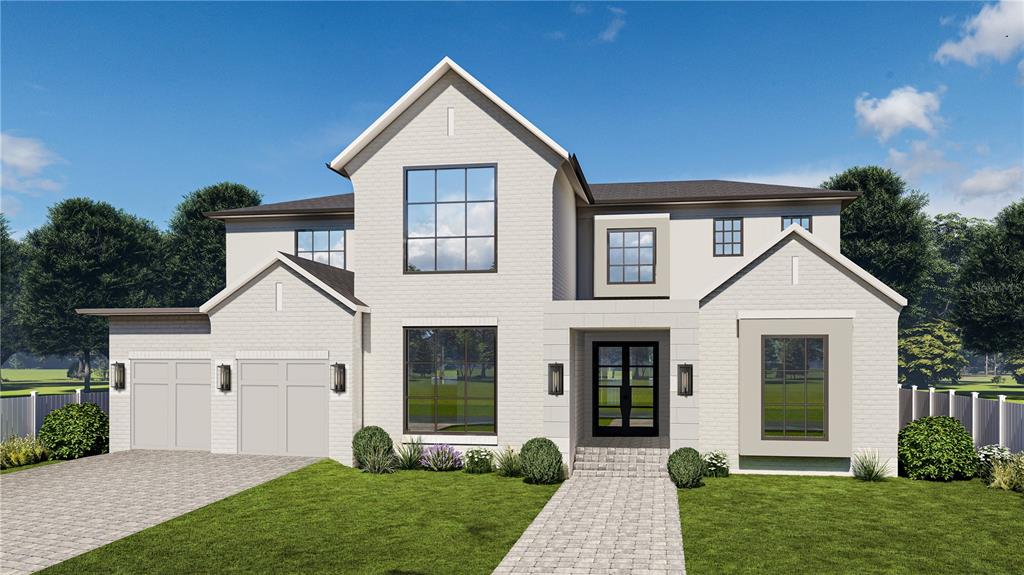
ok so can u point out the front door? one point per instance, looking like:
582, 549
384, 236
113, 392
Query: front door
625, 389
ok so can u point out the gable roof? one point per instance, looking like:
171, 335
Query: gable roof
337, 283
443, 67
336, 204
707, 191
834, 255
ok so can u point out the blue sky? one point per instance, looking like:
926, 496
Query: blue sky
138, 104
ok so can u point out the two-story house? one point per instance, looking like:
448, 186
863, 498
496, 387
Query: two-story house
476, 290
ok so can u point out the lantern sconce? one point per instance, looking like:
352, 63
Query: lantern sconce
338, 377
685, 379
224, 377
118, 375
556, 374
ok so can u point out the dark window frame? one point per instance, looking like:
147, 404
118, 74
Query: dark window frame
810, 222
466, 236
825, 379
344, 252
608, 256
465, 397
715, 244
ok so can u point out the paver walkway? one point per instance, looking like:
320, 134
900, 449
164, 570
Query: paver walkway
603, 526
53, 513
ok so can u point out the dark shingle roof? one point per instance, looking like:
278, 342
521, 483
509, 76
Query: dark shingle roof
341, 281
340, 203
705, 191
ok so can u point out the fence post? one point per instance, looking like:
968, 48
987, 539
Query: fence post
974, 417
78, 396
1002, 419
913, 403
931, 400
952, 402
34, 397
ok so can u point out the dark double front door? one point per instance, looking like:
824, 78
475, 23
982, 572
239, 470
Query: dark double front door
625, 389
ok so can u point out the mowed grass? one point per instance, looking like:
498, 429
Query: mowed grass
985, 388
812, 525
24, 467
327, 518
43, 381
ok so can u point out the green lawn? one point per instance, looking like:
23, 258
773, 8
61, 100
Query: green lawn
44, 381
24, 467
797, 525
328, 518
985, 388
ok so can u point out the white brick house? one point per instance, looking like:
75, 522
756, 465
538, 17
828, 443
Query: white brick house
476, 290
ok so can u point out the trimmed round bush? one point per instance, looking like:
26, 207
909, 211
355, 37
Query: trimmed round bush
75, 430
369, 442
937, 449
540, 461
686, 468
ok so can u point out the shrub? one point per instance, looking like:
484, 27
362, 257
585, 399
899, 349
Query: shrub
379, 459
507, 461
1009, 474
441, 457
937, 449
369, 440
75, 430
479, 460
868, 466
409, 454
18, 451
686, 468
540, 461
988, 457
716, 464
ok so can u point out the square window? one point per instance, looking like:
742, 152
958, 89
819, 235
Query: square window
338, 259
420, 186
451, 185
480, 219
451, 220
647, 256
449, 393
646, 274
337, 240
615, 275
451, 254
420, 255
647, 239
480, 184
420, 220
615, 239
630, 274
631, 239
304, 241
480, 254
321, 240
615, 256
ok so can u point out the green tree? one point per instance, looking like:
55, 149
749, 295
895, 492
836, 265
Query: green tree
887, 233
12, 262
195, 244
88, 254
952, 234
1015, 365
990, 294
931, 352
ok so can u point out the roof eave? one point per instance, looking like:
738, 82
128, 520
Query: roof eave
138, 311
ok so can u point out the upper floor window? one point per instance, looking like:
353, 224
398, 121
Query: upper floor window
631, 256
802, 221
728, 236
450, 219
324, 246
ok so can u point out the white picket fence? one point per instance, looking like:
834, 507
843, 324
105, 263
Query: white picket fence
989, 421
23, 415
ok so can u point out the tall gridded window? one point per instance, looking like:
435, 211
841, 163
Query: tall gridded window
450, 219
728, 236
631, 256
795, 387
451, 380
324, 246
802, 221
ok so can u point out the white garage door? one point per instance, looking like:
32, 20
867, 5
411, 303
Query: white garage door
171, 404
283, 407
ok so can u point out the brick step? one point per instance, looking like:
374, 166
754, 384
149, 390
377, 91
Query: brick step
620, 462
600, 466
618, 473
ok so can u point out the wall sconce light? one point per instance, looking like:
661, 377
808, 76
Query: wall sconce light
684, 378
224, 377
117, 377
556, 373
338, 377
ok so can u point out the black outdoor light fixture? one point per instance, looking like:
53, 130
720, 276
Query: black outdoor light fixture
685, 379
224, 377
338, 377
556, 374
118, 376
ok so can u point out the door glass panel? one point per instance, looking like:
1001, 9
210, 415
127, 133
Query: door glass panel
641, 376
609, 396
642, 396
641, 356
641, 417
609, 355
609, 376
609, 417
625, 390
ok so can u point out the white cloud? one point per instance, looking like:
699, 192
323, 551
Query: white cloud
618, 22
992, 182
806, 177
10, 205
920, 160
903, 108
23, 161
996, 32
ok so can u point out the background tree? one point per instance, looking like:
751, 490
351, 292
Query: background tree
931, 352
887, 233
11, 264
88, 254
194, 245
952, 235
990, 293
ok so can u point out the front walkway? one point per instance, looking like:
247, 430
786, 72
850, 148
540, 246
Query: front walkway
55, 512
603, 526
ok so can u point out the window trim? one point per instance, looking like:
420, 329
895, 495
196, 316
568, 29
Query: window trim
810, 221
344, 252
405, 382
824, 413
608, 256
714, 243
405, 218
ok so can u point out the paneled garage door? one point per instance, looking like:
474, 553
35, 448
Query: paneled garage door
283, 407
171, 404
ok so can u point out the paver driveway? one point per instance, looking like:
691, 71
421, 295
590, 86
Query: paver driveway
52, 513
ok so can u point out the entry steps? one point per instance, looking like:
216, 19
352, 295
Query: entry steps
621, 462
